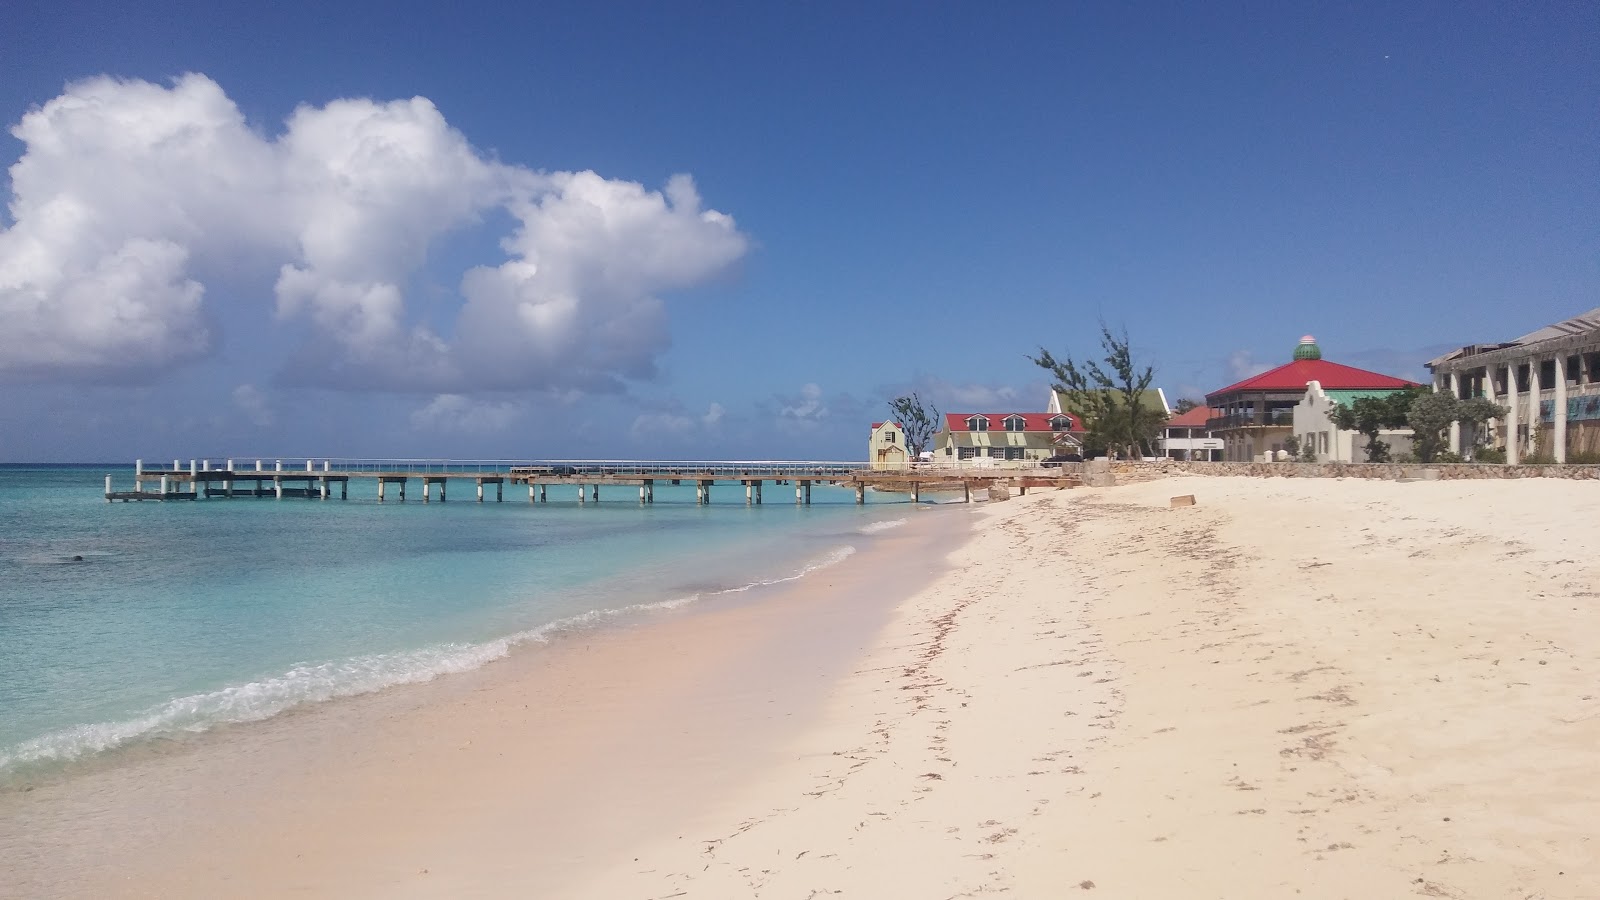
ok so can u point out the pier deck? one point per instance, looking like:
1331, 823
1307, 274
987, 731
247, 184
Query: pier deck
320, 479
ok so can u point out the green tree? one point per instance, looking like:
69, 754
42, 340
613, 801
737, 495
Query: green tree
1429, 416
1371, 415
1108, 394
1473, 413
1186, 404
919, 420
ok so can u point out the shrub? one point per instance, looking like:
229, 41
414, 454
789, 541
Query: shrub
1489, 455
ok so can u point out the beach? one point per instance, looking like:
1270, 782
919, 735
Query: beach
1295, 687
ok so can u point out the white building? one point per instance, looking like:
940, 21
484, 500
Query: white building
1314, 428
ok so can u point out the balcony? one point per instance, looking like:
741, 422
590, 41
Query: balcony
1279, 418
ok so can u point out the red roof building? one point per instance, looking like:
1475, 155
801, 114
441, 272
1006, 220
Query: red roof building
1253, 417
1188, 435
1017, 437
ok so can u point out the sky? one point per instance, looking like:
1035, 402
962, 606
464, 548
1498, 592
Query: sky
735, 231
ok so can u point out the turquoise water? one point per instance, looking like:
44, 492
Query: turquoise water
184, 615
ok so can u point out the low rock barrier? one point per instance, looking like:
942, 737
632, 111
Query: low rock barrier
1391, 471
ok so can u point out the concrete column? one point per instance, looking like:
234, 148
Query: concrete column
258, 465
1489, 394
442, 485
582, 494
758, 493
108, 488
205, 465
138, 475
1560, 414
807, 486
650, 491
966, 492
163, 487
308, 465
344, 489
427, 491
594, 492
402, 492
532, 493
916, 492
1513, 446
381, 483
641, 493
749, 493
325, 466
177, 464
277, 486
278, 466
499, 492
543, 497
324, 487
1533, 404
861, 494
1455, 427
480, 490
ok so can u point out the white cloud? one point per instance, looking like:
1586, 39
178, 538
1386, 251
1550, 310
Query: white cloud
125, 187
253, 403
1242, 365
455, 414
805, 412
675, 426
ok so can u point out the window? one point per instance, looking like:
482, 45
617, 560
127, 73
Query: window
967, 452
1016, 423
888, 437
1014, 453
978, 423
997, 453
1060, 423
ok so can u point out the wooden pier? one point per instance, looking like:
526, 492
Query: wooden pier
321, 479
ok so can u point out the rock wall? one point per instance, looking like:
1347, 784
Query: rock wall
1440, 471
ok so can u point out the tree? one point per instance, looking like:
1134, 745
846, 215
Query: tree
1429, 416
1371, 415
1108, 398
1473, 413
920, 422
1186, 404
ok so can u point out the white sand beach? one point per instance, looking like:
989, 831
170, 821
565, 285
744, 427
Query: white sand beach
1295, 688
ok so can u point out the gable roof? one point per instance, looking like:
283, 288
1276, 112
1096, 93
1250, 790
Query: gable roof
1294, 376
877, 425
1194, 418
1154, 398
1032, 421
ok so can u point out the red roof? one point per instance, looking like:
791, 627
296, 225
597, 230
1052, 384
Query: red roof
1030, 421
1296, 375
1194, 418
897, 425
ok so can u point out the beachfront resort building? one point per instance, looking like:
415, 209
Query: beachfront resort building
1255, 417
986, 440
1549, 381
1188, 435
886, 447
1327, 442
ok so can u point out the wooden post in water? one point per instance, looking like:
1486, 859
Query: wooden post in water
861, 493
916, 492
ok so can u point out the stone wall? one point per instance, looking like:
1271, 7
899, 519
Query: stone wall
1441, 471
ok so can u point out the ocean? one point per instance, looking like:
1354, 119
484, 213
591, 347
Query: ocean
182, 616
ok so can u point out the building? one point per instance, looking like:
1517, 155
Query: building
1256, 416
1549, 381
1005, 439
886, 446
1154, 398
1188, 435
1314, 428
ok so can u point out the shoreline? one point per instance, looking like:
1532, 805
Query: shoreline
1293, 688
155, 806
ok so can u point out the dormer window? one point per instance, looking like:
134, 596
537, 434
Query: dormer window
1016, 423
978, 423
1060, 423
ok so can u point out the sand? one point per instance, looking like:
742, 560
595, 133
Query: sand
1295, 688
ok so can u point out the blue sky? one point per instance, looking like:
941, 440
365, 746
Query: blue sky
249, 239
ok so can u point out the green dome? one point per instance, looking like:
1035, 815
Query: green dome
1308, 349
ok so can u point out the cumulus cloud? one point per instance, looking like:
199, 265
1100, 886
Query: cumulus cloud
125, 188
804, 412
455, 414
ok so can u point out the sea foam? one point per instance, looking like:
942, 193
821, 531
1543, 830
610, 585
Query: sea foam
313, 683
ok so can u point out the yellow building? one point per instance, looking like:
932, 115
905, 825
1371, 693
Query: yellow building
886, 448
